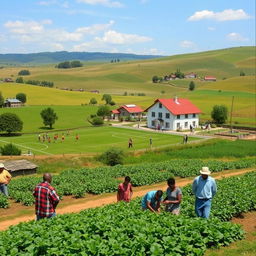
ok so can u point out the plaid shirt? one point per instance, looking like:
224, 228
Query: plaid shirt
46, 199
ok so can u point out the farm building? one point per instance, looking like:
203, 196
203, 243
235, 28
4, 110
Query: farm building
191, 75
210, 78
12, 103
20, 167
172, 114
132, 111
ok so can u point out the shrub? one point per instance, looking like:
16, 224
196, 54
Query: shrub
93, 101
10, 150
24, 72
22, 97
10, 122
219, 114
112, 156
112, 103
97, 121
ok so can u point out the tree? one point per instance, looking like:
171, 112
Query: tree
107, 98
93, 101
24, 72
65, 64
97, 121
21, 97
191, 86
103, 111
1, 100
20, 80
49, 116
10, 122
242, 73
76, 64
112, 156
10, 150
219, 114
155, 79
179, 74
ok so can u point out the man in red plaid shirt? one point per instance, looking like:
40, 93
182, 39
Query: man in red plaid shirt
46, 198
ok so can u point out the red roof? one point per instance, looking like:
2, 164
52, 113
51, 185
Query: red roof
209, 78
179, 107
115, 111
132, 108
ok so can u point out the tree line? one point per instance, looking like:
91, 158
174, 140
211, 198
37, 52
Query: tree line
70, 64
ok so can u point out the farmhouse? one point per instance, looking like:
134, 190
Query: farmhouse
210, 78
191, 75
127, 111
20, 167
8, 80
172, 114
12, 103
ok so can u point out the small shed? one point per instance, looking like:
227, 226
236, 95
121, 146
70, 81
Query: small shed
20, 167
12, 103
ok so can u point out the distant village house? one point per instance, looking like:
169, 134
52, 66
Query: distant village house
191, 75
8, 80
172, 114
12, 103
210, 78
132, 111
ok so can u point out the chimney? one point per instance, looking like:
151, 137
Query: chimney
176, 100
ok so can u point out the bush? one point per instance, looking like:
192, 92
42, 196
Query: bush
219, 114
10, 122
112, 156
97, 121
24, 72
112, 103
10, 150
93, 101
22, 97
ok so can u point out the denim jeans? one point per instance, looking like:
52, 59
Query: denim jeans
38, 217
203, 207
4, 189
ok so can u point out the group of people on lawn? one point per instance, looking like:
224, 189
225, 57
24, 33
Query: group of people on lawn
204, 188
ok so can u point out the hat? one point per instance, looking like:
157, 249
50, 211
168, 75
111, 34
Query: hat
205, 171
1, 165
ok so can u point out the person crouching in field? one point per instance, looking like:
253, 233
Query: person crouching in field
204, 188
173, 197
124, 192
5, 178
46, 198
152, 201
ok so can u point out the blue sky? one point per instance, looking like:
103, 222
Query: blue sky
164, 27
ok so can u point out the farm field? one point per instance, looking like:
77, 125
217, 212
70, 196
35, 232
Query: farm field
92, 140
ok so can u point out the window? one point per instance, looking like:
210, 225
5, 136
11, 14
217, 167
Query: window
153, 123
160, 105
194, 115
178, 116
160, 115
167, 115
153, 114
186, 124
194, 123
186, 115
178, 125
167, 125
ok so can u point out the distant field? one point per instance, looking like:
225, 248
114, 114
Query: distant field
92, 140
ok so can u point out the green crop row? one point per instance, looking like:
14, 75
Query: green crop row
124, 229
104, 179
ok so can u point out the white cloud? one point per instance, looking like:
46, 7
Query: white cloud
107, 3
47, 3
64, 4
211, 28
187, 44
225, 15
95, 29
24, 27
114, 37
236, 37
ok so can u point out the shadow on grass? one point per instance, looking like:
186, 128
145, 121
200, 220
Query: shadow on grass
46, 128
10, 134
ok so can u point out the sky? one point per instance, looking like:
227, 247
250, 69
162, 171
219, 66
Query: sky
157, 27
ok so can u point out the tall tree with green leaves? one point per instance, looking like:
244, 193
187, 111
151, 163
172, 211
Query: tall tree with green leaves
1, 100
103, 111
219, 114
49, 117
192, 86
10, 122
107, 98
21, 97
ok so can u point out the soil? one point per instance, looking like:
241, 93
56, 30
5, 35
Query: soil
12, 216
248, 222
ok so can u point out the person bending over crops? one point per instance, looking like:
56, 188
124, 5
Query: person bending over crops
152, 201
46, 198
173, 198
204, 188
124, 192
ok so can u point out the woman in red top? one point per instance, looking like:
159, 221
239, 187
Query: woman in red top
125, 190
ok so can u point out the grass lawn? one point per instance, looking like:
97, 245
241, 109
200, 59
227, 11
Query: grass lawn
92, 140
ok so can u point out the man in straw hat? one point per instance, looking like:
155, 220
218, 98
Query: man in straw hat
204, 188
5, 178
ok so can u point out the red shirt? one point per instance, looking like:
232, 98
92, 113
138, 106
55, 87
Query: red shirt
46, 199
124, 192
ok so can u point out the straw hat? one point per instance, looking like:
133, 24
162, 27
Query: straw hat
1, 165
205, 171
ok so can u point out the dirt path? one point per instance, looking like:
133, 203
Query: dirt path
71, 205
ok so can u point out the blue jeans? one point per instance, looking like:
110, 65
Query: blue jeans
38, 217
4, 189
203, 207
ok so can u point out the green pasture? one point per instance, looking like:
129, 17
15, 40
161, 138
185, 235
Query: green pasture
91, 140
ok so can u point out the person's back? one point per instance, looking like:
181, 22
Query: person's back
46, 199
